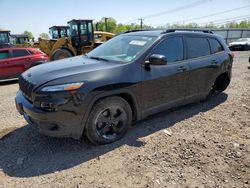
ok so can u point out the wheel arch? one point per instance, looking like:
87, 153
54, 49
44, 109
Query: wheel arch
124, 94
223, 77
36, 63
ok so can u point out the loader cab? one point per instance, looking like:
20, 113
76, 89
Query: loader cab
81, 32
4, 37
57, 32
20, 38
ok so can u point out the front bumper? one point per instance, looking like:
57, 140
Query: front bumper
61, 123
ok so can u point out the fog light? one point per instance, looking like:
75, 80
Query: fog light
47, 106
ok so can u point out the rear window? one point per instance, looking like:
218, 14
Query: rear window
197, 47
4, 54
18, 53
215, 46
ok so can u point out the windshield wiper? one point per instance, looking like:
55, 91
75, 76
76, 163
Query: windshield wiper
98, 58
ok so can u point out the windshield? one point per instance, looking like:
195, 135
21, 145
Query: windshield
54, 33
4, 38
123, 48
64, 32
243, 40
73, 29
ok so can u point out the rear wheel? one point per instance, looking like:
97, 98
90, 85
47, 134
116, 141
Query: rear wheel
221, 83
61, 54
108, 121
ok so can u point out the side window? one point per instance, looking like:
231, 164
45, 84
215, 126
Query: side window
31, 52
18, 53
83, 29
172, 48
4, 54
215, 46
197, 47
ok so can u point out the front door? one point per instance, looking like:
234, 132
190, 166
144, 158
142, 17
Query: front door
164, 86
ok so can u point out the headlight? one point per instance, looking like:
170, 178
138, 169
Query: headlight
63, 87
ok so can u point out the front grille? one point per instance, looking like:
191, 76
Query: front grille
26, 87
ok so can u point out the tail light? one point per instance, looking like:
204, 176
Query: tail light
231, 54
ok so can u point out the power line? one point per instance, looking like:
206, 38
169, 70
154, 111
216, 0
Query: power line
221, 23
214, 14
232, 18
196, 3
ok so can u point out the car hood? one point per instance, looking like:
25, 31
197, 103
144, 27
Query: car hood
62, 68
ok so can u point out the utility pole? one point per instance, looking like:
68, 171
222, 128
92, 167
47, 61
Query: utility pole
106, 23
97, 26
141, 22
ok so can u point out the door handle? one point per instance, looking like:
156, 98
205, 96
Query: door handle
182, 69
214, 62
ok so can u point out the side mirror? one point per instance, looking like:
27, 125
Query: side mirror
157, 59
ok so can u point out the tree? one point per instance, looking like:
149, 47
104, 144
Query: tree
30, 35
111, 24
44, 35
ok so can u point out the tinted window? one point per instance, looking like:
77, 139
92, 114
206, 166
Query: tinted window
172, 48
197, 47
215, 46
31, 52
4, 54
18, 53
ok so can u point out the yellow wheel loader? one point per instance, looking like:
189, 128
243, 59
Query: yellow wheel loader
81, 40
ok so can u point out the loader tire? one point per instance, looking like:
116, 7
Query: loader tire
61, 54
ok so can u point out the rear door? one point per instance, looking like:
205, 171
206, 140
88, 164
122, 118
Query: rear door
203, 67
4, 64
20, 61
164, 86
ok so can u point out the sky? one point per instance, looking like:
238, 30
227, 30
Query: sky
37, 16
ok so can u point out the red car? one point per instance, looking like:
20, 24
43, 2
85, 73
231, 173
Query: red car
15, 60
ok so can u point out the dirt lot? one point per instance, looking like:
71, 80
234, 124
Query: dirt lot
206, 144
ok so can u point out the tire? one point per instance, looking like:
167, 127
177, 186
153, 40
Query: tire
221, 83
61, 54
246, 48
108, 121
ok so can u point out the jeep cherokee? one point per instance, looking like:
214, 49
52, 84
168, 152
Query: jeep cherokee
133, 75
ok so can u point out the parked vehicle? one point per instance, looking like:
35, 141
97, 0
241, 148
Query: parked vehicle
240, 44
14, 61
129, 77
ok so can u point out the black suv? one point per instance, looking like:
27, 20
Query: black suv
131, 76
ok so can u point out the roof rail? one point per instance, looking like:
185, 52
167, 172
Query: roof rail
188, 29
136, 30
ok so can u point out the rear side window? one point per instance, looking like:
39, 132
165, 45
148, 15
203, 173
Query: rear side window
31, 52
197, 47
172, 48
4, 54
18, 53
215, 46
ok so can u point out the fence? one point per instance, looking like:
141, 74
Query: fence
232, 34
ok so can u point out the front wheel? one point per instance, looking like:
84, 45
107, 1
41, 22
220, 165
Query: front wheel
108, 121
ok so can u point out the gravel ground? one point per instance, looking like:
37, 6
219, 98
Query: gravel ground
205, 144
